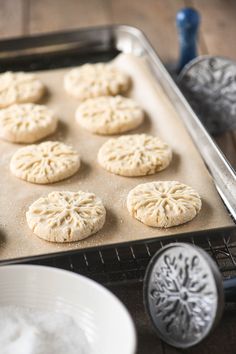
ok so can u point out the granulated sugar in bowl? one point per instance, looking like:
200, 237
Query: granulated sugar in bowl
45, 310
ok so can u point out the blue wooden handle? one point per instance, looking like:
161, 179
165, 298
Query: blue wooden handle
187, 21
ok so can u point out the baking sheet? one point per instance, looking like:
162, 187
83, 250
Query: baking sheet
17, 240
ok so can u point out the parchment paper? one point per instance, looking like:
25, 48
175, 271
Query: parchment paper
17, 240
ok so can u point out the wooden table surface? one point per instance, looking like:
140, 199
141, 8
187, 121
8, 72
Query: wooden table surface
157, 19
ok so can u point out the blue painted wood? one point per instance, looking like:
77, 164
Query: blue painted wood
187, 21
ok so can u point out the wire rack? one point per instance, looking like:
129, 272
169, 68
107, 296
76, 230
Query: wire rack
128, 263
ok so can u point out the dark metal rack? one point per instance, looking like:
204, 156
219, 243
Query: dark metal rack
128, 263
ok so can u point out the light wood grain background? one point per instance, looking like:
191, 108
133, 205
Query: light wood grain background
155, 17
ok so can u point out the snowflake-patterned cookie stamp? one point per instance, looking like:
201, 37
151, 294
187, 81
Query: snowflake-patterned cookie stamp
209, 84
44, 163
183, 294
66, 216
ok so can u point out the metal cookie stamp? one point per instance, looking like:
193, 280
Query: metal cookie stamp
183, 294
209, 84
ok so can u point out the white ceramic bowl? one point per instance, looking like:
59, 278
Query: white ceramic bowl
105, 321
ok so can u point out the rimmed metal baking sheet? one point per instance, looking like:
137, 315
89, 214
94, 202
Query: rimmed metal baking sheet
119, 228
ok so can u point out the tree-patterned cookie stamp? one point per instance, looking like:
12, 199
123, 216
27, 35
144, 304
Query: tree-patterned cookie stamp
66, 216
44, 163
26, 123
135, 155
163, 203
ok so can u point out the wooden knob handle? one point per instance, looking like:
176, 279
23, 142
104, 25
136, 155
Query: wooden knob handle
187, 21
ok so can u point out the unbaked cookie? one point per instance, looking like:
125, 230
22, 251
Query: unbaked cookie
19, 87
26, 123
44, 163
134, 155
109, 115
163, 203
93, 80
66, 216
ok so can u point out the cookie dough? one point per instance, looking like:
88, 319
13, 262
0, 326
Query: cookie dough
44, 163
19, 87
163, 203
134, 155
66, 216
109, 115
26, 123
93, 80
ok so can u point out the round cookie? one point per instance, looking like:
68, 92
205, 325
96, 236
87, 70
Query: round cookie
134, 155
66, 216
26, 123
109, 115
163, 203
93, 80
44, 163
19, 87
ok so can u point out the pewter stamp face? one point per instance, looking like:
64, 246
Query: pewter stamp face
209, 84
182, 296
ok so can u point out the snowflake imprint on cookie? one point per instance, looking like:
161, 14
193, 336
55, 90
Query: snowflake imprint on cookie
163, 203
109, 115
44, 163
93, 80
135, 155
19, 87
26, 123
66, 216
